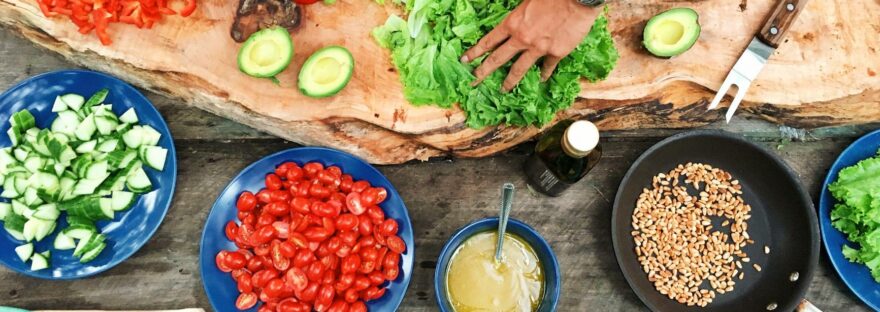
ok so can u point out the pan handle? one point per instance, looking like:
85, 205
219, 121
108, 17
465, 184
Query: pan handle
806, 306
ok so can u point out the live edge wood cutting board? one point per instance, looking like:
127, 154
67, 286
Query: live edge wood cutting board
826, 74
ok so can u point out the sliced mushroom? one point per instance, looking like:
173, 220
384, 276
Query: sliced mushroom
253, 15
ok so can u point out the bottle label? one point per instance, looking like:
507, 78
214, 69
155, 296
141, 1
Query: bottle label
542, 179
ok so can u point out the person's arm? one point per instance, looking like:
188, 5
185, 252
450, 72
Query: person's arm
535, 29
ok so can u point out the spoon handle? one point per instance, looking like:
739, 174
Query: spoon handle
506, 199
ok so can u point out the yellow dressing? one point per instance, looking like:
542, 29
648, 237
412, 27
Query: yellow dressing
476, 282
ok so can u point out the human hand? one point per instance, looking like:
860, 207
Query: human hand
535, 29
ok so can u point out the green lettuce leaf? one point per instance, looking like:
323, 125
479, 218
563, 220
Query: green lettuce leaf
857, 213
427, 46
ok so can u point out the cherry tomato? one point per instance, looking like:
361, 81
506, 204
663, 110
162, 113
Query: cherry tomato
246, 201
370, 293
351, 295
245, 217
264, 196
246, 301
315, 271
354, 204
360, 186
378, 236
319, 191
274, 288
346, 183
245, 283
379, 293
287, 305
294, 173
255, 264
316, 234
343, 251
350, 264
391, 260
265, 308
388, 227
282, 229
396, 244
276, 208
231, 230
344, 282
235, 260
338, 306
368, 242
303, 258
357, 306
391, 273
279, 260
370, 196
376, 278
261, 278
220, 260
298, 240
264, 235
308, 294
349, 238
311, 169
300, 204
381, 194
333, 244
345, 222
361, 282
329, 277
273, 182
324, 298
287, 249
262, 250
280, 195
335, 171
264, 220
297, 278
365, 225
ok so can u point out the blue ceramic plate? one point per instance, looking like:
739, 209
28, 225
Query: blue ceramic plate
221, 288
856, 276
129, 230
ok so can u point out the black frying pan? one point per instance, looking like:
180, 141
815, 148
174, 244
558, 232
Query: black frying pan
783, 218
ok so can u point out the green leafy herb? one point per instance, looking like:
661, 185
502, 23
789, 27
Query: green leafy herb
426, 49
857, 213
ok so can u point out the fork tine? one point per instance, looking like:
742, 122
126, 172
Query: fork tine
722, 91
740, 94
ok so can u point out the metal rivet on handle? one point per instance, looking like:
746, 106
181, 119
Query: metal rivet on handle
774, 30
771, 306
789, 7
794, 276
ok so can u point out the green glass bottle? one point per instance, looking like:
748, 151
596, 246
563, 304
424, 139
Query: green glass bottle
563, 155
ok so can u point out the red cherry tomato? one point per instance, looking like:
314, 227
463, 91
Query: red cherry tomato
282, 229
255, 264
264, 220
279, 260
311, 169
391, 260
294, 173
361, 282
391, 273
350, 264
287, 305
264, 235
296, 278
365, 225
376, 278
280, 195
357, 306
273, 182
303, 258
220, 261
345, 222
315, 271
246, 301
360, 186
264, 196
261, 278
274, 288
351, 295
396, 244
246, 201
245, 284
277, 208
325, 298
388, 227
308, 294
316, 234
354, 204
231, 230
370, 197
235, 260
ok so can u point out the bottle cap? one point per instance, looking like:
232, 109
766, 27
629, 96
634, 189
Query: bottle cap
581, 138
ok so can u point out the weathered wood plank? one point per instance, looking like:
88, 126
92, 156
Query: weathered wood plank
441, 196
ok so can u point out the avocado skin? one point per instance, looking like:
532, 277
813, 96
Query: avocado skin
687, 17
330, 51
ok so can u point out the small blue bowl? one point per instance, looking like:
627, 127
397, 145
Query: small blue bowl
552, 278
856, 276
131, 229
221, 288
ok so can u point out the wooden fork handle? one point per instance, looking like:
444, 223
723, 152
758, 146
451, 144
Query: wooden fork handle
780, 21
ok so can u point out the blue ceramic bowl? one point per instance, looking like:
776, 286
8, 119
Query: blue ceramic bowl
856, 276
221, 288
552, 278
129, 230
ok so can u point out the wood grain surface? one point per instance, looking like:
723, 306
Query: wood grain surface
825, 75
440, 195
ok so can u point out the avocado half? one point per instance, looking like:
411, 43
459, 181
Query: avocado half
326, 72
266, 52
672, 32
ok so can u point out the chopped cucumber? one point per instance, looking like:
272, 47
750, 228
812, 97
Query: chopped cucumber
47, 212
138, 181
25, 251
106, 124
154, 157
87, 147
6, 209
134, 138
130, 116
63, 242
73, 101
79, 232
22, 120
121, 200
93, 252
86, 128
39, 262
106, 205
59, 105
66, 123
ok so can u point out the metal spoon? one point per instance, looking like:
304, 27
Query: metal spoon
506, 200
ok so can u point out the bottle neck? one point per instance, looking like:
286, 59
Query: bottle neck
570, 150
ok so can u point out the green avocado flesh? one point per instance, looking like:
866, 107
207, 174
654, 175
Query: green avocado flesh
672, 32
326, 72
266, 53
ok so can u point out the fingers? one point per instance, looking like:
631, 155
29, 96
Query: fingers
500, 56
486, 44
549, 66
519, 69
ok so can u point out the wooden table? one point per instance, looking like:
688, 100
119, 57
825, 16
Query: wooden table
441, 196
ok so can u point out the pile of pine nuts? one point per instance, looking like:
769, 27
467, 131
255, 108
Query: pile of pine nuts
684, 256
